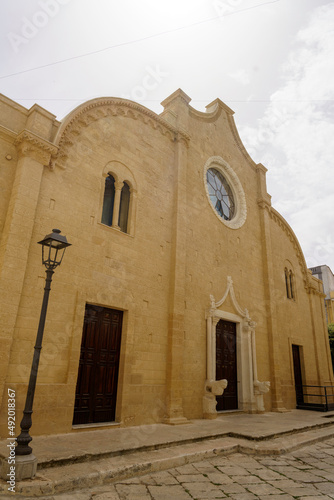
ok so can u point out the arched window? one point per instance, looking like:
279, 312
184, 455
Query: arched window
292, 292
289, 283
119, 197
124, 208
108, 201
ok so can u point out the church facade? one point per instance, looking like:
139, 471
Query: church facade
184, 293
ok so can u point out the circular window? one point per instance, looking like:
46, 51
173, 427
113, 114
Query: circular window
220, 193
225, 193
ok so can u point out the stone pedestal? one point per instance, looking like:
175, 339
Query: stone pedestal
25, 467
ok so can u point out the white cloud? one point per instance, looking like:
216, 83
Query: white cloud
294, 138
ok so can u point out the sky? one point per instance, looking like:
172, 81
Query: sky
272, 62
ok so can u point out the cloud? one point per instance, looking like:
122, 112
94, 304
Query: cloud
294, 138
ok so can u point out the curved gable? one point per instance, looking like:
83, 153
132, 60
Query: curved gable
97, 109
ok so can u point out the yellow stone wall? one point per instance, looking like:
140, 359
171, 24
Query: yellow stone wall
161, 275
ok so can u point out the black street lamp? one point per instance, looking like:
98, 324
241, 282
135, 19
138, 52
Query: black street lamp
53, 249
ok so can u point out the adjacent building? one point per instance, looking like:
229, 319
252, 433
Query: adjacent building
325, 274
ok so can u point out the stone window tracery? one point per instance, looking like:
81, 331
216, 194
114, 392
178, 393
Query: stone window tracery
225, 193
119, 198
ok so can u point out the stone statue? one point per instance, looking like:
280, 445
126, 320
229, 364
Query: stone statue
212, 389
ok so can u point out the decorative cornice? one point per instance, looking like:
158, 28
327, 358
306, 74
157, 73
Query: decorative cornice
216, 104
264, 204
214, 110
282, 223
100, 108
239, 142
32, 145
178, 94
7, 134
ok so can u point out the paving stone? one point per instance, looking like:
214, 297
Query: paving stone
205, 467
168, 492
326, 474
263, 489
201, 490
327, 488
284, 484
304, 477
243, 496
267, 474
186, 469
244, 480
159, 478
276, 497
303, 491
132, 492
192, 478
233, 488
106, 496
321, 497
219, 478
234, 471
269, 461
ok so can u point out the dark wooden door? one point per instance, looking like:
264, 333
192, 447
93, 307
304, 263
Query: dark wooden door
298, 374
226, 364
95, 398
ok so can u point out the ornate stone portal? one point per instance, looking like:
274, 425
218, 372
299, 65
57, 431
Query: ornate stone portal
250, 389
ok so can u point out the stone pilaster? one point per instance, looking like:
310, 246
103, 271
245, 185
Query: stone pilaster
264, 202
33, 153
178, 104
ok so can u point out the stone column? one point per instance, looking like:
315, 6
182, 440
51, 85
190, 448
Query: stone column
117, 201
33, 154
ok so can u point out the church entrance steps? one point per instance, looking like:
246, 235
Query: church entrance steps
92, 458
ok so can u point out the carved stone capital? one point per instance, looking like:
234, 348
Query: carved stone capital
212, 389
215, 320
33, 146
261, 387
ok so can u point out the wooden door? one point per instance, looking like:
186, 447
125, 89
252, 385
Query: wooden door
96, 391
298, 374
226, 364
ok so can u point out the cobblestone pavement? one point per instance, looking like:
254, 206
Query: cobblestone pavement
307, 474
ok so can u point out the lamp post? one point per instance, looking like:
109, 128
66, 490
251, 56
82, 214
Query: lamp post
53, 249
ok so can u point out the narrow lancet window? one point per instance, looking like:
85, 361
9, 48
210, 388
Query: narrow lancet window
124, 208
292, 294
287, 283
108, 201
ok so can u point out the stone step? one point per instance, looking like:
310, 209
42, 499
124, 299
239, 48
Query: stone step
100, 471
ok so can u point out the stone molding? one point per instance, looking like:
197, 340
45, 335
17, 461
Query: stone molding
7, 134
251, 390
30, 144
178, 94
239, 142
283, 224
236, 187
97, 109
